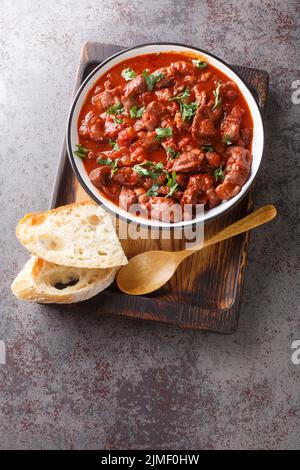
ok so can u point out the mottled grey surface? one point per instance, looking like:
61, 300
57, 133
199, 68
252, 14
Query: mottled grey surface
73, 380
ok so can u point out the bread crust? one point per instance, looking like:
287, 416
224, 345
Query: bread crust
79, 234
38, 280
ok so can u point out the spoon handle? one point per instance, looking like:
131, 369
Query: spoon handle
255, 219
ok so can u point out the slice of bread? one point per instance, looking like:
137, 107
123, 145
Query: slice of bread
40, 281
80, 235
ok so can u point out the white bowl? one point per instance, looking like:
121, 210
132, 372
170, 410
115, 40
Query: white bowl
72, 133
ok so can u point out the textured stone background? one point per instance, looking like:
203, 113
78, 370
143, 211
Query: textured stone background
78, 381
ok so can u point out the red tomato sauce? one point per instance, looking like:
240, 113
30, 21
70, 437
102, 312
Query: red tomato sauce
166, 128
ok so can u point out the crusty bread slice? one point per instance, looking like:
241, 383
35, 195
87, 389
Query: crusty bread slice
80, 235
40, 281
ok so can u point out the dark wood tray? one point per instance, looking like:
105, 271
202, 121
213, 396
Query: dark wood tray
205, 292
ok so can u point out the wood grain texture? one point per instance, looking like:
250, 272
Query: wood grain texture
205, 291
149, 270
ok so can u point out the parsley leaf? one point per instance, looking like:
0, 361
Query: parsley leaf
136, 112
171, 183
145, 171
207, 148
104, 161
218, 99
200, 64
182, 96
114, 166
226, 140
153, 191
162, 132
116, 108
159, 166
128, 74
171, 153
219, 174
114, 144
81, 151
117, 120
140, 112
154, 170
109, 162
188, 110
152, 78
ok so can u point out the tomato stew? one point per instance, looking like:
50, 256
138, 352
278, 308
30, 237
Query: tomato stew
163, 128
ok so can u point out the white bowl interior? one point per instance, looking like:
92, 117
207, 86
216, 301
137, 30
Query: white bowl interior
72, 137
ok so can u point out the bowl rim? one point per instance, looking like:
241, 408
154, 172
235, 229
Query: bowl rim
141, 221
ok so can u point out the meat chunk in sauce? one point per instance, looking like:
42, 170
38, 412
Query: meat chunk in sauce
152, 116
127, 177
148, 140
128, 101
103, 100
101, 178
198, 183
135, 86
189, 161
127, 198
230, 126
112, 128
92, 127
165, 210
213, 159
205, 120
237, 172
169, 138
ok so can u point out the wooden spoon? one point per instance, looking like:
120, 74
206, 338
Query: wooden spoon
150, 270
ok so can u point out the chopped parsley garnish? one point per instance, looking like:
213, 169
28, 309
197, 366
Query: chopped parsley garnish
117, 120
158, 166
219, 174
171, 183
163, 132
153, 191
152, 78
207, 148
114, 166
226, 140
128, 74
216, 93
182, 96
200, 64
171, 153
141, 170
116, 108
104, 161
145, 171
109, 162
136, 112
114, 144
187, 109
81, 151
154, 171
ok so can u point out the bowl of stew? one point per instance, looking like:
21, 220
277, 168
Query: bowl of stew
164, 125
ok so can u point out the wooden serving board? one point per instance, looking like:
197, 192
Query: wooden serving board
206, 290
